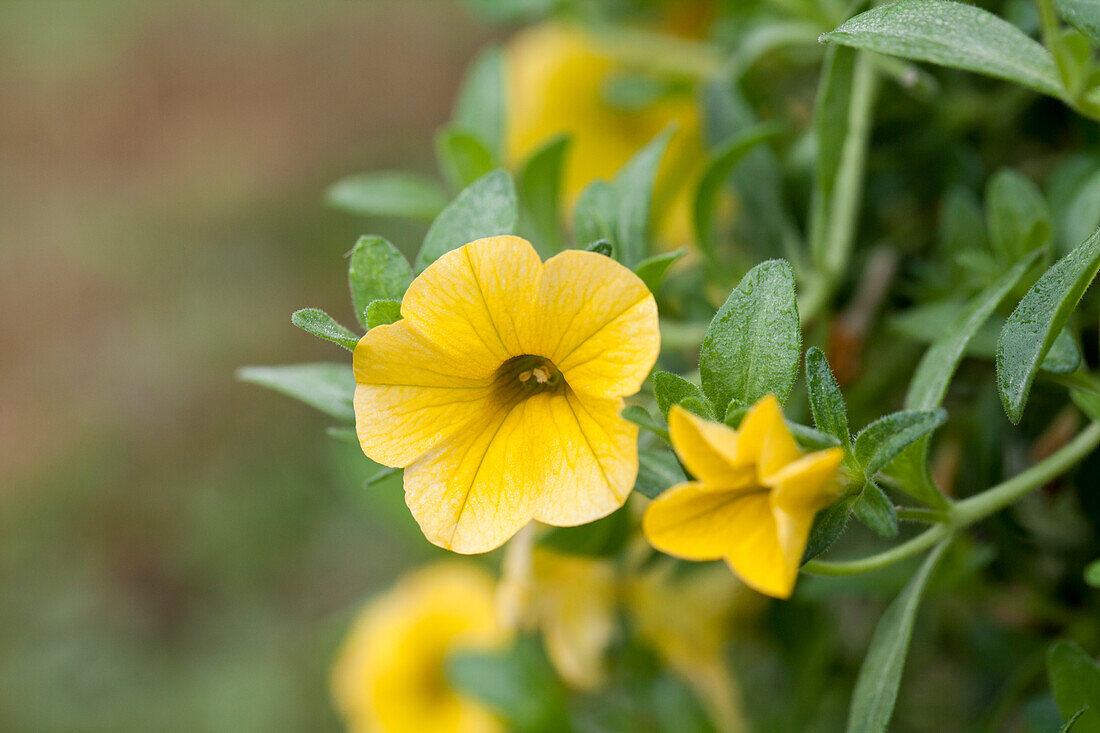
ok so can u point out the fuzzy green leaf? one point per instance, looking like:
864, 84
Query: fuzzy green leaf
879, 677
652, 269
718, 168
325, 386
1084, 15
828, 525
875, 509
539, 186
879, 442
596, 213
382, 312
752, 346
322, 325
952, 34
1033, 327
389, 193
634, 187
671, 389
602, 247
641, 417
487, 207
376, 271
826, 403
1075, 680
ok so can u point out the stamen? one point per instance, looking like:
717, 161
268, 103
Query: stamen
542, 374
524, 376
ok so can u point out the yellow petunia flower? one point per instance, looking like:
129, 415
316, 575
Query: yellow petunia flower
569, 598
389, 674
556, 78
499, 391
754, 500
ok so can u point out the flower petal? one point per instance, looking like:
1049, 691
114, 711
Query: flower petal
709, 450
474, 301
409, 396
808, 484
754, 550
692, 522
598, 323
763, 437
558, 458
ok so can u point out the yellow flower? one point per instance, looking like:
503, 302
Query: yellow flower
499, 391
389, 674
688, 619
556, 77
755, 499
570, 599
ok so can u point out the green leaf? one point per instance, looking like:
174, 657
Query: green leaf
344, 435
518, 683
934, 373
390, 193
487, 207
1084, 15
828, 525
325, 386
322, 325
715, 174
670, 389
1092, 573
952, 34
1075, 680
698, 406
875, 509
634, 188
1017, 215
842, 123
511, 11
826, 403
1032, 328
539, 185
376, 271
463, 158
652, 269
480, 106
596, 213
658, 471
602, 538
641, 417
879, 442
752, 346
807, 437
962, 224
382, 312
876, 688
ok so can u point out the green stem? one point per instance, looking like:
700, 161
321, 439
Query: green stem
971, 510
968, 511
922, 514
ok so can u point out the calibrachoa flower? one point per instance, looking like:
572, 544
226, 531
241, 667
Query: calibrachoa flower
557, 78
499, 391
389, 674
754, 500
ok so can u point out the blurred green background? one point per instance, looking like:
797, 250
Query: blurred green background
178, 551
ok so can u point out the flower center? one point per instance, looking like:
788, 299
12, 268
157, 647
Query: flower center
530, 374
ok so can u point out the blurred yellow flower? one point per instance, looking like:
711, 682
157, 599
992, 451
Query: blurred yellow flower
754, 501
389, 674
499, 391
569, 598
688, 618
556, 84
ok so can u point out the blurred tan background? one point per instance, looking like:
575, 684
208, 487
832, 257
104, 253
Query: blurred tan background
178, 551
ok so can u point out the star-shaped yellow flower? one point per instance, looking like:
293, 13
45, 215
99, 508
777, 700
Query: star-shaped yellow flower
499, 391
754, 501
389, 675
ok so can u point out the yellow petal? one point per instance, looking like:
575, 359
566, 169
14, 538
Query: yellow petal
754, 550
409, 396
560, 458
763, 430
473, 301
808, 484
598, 324
708, 449
694, 523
